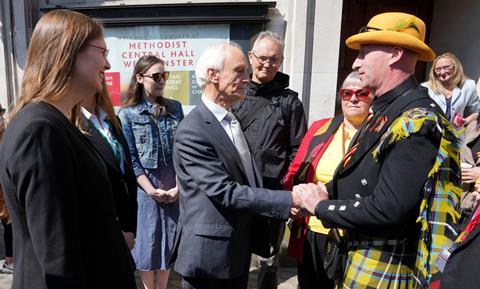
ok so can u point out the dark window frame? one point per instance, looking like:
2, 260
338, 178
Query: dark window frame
175, 14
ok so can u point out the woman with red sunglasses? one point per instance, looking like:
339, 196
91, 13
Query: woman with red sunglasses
321, 150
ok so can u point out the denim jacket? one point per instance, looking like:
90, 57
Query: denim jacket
150, 139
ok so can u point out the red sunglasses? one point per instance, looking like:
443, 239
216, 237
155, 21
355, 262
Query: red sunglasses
362, 94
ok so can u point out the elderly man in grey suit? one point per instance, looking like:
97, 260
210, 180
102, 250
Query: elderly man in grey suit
219, 185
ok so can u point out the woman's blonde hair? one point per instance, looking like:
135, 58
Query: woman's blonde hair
56, 41
458, 76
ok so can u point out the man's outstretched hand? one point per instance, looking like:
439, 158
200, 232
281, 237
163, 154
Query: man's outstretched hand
306, 197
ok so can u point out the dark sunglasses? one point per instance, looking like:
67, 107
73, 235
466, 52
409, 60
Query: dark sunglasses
362, 94
158, 76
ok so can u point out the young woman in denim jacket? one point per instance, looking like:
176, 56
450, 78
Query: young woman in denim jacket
149, 122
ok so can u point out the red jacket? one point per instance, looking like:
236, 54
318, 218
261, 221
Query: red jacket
302, 170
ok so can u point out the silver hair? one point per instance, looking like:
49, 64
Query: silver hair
212, 58
270, 35
352, 79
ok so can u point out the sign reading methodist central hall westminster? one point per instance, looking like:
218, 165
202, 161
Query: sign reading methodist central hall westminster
178, 46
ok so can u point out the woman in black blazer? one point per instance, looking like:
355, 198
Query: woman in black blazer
100, 125
57, 187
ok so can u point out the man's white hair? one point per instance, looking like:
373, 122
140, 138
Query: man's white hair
212, 58
270, 35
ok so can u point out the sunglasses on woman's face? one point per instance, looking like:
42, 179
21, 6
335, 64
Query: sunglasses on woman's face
362, 94
158, 76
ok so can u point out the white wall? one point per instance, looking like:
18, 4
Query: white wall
326, 49
456, 29
13, 38
312, 41
295, 15
4, 55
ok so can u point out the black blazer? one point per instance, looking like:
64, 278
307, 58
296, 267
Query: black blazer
214, 232
58, 193
124, 185
461, 270
382, 198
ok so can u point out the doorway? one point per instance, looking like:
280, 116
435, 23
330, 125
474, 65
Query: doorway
357, 13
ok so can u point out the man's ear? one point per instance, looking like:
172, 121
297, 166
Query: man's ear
213, 75
250, 57
397, 54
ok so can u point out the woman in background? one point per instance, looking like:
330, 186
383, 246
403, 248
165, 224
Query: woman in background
452, 90
102, 128
319, 154
7, 266
149, 122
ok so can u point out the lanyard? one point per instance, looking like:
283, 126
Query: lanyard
112, 141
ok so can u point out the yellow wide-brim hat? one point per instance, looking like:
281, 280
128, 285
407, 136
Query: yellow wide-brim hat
394, 29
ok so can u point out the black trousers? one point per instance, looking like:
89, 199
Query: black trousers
200, 283
311, 274
7, 238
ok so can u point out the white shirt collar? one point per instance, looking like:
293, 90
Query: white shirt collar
218, 111
102, 115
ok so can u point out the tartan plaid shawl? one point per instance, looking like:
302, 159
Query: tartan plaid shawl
396, 266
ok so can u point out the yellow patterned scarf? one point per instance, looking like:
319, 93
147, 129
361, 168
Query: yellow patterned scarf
439, 209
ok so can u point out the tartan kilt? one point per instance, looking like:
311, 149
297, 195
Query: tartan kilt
383, 266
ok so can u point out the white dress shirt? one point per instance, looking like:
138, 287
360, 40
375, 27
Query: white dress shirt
235, 133
220, 113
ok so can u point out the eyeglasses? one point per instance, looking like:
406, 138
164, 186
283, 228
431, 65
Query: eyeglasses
272, 60
158, 76
446, 67
362, 94
104, 50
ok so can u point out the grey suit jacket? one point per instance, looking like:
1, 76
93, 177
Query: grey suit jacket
216, 207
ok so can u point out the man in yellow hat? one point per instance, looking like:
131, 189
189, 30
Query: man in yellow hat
395, 195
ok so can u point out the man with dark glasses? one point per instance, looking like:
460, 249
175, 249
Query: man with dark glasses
396, 192
273, 121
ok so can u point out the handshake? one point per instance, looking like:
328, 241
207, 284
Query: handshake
305, 197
